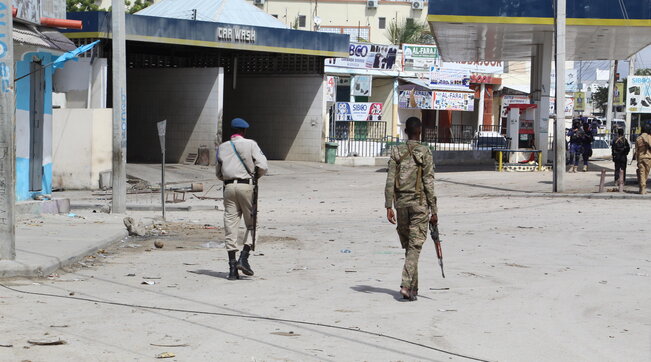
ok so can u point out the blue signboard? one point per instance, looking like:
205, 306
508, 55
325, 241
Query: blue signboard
211, 34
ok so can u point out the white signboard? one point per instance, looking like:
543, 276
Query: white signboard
357, 111
569, 106
454, 101
367, 56
419, 58
638, 94
512, 99
476, 67
331, 89
450, 79
361, 85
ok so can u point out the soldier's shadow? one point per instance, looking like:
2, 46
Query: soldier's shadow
215, 274
370, 289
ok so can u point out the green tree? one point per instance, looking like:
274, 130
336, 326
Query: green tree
600, 98
409, 32
137, 5
643, 71
81, 5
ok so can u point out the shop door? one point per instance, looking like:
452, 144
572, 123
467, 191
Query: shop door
36, 120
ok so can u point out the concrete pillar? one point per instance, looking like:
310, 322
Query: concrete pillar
394, 122
480, 116
543, 71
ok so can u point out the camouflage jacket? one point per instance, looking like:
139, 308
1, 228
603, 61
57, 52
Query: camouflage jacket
410, 181
643, 147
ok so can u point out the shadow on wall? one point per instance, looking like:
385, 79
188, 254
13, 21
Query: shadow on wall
285, 113
187, 98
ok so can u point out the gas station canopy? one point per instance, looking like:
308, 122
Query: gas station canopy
510, 29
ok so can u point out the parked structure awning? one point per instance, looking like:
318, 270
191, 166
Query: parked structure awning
42, 37
213, 35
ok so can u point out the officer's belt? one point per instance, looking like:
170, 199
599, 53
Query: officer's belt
238, 181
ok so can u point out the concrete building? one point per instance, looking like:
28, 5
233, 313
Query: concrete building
364, 20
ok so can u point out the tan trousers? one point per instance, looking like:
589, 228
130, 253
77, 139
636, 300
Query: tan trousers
238, 199
643, 167
412, 230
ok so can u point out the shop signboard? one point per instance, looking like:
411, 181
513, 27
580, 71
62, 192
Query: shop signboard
579, 101
569, 106
361, 85
513, 99
358, 111
450, 79
488, 67
618, 95
454, 101
415, 99
419, 58
638, 99
367, 56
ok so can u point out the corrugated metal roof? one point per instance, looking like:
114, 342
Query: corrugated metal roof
42, 37
221, 11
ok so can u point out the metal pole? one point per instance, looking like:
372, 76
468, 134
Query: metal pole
119, 177
559, 127
611, 89
631, 71
162, 184
480, 116
7, 135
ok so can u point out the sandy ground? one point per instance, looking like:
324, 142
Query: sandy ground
530, 279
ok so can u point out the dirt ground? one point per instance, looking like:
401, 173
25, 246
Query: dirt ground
527, 279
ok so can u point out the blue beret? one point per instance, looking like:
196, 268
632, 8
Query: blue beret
239, 123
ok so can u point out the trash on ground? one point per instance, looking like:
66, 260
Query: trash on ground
166, 355
286, 334
159, 244
149, 278
59, 326
350, 271
298, 268
439, 288
131, 275
47, 342
148, 282
346, 251
212, 244
6, 345
170, 345
134, 228
447, 310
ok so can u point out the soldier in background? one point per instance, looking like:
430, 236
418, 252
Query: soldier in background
620, 149
643, 157
410, 188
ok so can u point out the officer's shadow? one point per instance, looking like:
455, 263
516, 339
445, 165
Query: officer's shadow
215, 274
394, 293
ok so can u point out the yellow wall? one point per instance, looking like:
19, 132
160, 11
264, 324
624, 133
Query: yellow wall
345, 14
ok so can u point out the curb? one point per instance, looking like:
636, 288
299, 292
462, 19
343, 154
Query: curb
596, 196
14, 269
136, 207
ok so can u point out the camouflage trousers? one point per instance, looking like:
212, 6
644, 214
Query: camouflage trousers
412, 230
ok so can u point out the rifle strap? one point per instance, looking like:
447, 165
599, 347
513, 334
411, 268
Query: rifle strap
241, 160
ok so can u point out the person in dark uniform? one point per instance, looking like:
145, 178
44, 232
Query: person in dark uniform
620, 149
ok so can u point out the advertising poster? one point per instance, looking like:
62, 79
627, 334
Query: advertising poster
358, 111
618, 94
419, 58
415, 99
450, 79
361, 85
367, 56
454, 101
511, 99
638, 99
569, 106
579, 101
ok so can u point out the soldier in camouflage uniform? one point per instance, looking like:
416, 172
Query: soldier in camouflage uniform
410, 185
643, 156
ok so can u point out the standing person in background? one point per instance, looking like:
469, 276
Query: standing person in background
620, 149
575, 147
586, 138
643, 157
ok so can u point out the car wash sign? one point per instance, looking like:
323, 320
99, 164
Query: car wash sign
236, 34
358, 111
638, 94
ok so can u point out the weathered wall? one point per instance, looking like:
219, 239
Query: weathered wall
286, 114
82, 145
190, 99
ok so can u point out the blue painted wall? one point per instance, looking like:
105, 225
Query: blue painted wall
23, 127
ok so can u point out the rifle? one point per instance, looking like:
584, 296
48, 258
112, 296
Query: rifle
254, 209
434, 232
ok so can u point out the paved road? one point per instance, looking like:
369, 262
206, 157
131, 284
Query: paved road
529, 279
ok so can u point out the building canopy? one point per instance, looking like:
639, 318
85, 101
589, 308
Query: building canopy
163, 30
509, 29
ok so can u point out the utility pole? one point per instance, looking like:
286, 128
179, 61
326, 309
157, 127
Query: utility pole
7, 135
559, 127
631, 72
611, 89
119, 177
480, 116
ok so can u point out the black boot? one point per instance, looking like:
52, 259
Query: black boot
243, 263
232, 265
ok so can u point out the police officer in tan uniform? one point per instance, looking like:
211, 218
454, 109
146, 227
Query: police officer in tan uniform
239, 162
410, 186
643, 156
